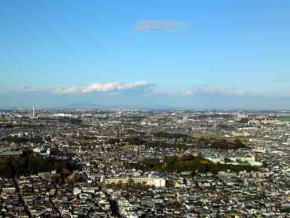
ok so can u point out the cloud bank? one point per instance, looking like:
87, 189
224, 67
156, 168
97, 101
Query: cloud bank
213, 90
143, 95
145, 87
105, 87
159, 25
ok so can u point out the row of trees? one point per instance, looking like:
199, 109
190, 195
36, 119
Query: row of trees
32, 163
191, 163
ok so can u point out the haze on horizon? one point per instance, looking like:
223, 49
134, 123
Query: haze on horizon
145, 54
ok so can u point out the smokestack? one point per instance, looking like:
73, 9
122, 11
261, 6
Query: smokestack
33, 112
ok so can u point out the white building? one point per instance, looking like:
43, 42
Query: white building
148, 181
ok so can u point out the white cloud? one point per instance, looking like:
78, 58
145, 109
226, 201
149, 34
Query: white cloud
213, 90
67, 90
26, 89
148, 88
30, 89
159, 25
105, 87
283, 94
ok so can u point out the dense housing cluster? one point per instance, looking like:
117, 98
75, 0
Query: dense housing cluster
143, 163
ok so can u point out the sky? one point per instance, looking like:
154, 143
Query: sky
145, 54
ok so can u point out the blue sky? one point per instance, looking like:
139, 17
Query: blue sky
153, 53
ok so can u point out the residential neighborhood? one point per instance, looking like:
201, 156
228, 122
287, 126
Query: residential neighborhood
139, 163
